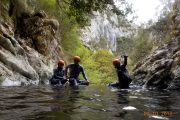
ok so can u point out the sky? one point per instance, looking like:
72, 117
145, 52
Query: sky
145, 10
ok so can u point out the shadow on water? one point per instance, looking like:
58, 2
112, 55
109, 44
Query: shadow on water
94, 102
122, 100
62, 104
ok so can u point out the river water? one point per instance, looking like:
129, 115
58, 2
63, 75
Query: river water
94, 102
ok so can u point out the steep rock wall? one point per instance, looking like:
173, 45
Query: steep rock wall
28, 44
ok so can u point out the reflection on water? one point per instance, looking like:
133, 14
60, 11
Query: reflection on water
93, 102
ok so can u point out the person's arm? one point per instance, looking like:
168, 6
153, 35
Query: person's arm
83, 73
54, 72
125, 60
65, 72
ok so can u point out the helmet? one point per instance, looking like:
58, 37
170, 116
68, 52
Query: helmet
116, 62
61, 62
77, 59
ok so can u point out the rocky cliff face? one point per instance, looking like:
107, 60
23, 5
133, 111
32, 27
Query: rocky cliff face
161, 69
104, 26
28, 45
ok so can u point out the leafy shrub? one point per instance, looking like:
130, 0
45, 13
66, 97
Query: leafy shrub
142, 46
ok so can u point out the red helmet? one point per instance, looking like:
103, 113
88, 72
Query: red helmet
61, 62
77, 59
116, 62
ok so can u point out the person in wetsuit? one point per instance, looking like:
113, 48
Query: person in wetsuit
123, 77
58, 75
74, 70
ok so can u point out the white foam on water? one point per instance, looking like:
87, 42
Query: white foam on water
129, 108
114, 89
97, 95
9, 82
133, 97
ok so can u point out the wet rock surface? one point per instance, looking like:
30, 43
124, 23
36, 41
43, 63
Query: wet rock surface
41, 32
28, 45
161, 69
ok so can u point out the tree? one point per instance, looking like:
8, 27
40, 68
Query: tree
161, 29
142, 46
124, 45
82, 9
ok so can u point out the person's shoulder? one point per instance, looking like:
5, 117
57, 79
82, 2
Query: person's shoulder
123, 66
55, 69
71, 64
80, 66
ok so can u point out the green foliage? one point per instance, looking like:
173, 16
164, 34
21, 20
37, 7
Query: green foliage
4, 11
161, 30
156, 34
124, 45
49, 6
50, 3
143, 46
72, 14
101, 44
99, 67
82, 9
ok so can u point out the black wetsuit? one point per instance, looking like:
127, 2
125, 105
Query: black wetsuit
74, 71
123, 76
58, 77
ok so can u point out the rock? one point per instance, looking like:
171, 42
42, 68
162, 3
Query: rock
37, 62
161, 69
159, 54
52, 22
29, 53
23, 64
40, 14
6, 43
18, 64
41, 32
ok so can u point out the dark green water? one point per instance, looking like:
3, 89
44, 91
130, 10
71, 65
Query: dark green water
93, 102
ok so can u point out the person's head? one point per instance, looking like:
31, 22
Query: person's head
77, 59
116, 62
61, 63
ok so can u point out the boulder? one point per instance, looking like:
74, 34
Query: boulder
41, 32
